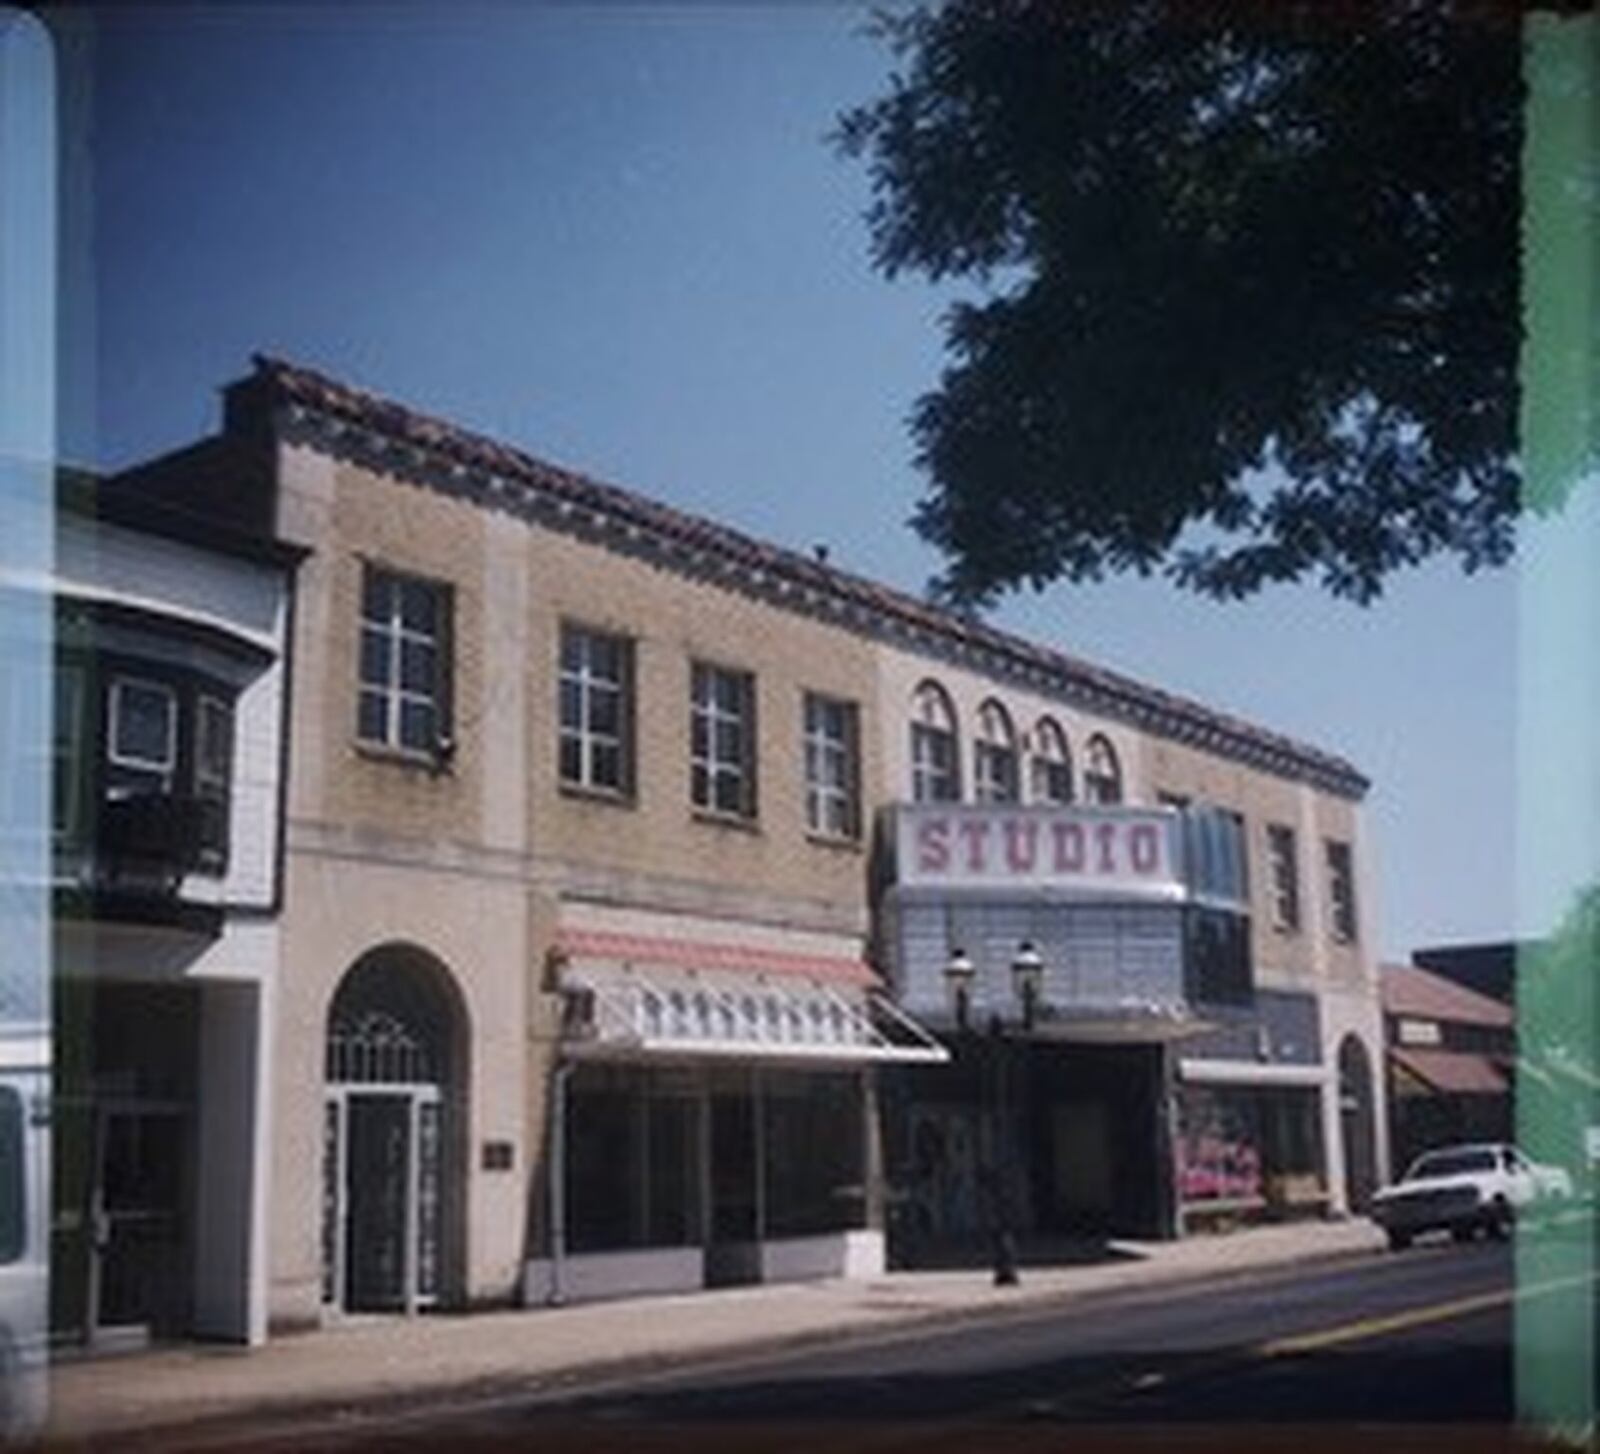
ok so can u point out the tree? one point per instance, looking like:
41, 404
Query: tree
1249, 275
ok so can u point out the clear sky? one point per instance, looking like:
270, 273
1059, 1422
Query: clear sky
616, 236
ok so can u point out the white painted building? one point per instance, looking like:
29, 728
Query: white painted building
167, 824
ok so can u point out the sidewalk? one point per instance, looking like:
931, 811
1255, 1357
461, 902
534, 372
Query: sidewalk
439, 1359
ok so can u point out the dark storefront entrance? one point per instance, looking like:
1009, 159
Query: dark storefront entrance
123, 1133
1072, 1135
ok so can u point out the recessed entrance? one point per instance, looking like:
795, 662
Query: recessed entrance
390, 1168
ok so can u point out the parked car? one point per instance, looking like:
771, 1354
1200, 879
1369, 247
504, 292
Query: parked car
1465, 1190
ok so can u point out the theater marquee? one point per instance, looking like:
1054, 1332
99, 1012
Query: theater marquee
1091, 850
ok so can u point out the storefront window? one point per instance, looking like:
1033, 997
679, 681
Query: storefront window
813, 1139
632, 1159
13, 1187
1250, 1147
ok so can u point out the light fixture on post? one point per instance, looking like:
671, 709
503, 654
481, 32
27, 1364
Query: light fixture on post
1027, 977
959, 973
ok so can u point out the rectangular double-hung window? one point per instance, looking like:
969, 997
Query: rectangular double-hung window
596, 749
722, 740
142, 736
832, 776
1284, 861
405, 662
1342, 890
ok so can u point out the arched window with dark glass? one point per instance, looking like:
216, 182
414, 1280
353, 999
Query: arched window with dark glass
935, 763
1102, 774
1051, 764
995, 775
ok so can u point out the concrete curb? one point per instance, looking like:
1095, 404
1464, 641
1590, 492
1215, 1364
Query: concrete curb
285, 1417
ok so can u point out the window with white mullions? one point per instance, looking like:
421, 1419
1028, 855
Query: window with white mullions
142, 737
722, 741
596, 708
935, 764
1284, 860
404, 674
832, 803
1052, 764
1102, 774
1341, 890
995, 778
213, 772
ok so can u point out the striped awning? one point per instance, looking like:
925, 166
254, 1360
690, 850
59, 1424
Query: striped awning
630, 996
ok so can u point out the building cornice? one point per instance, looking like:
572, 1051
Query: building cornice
308, 408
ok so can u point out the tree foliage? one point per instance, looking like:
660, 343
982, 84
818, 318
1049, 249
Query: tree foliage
1248, 284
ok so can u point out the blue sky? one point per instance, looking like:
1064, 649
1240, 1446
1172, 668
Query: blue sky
616, 235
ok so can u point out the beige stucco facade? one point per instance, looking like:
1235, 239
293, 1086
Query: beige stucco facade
473, 861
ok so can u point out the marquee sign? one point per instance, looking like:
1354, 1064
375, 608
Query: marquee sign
1129, 851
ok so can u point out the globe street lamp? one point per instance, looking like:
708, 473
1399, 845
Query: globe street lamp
1027, 973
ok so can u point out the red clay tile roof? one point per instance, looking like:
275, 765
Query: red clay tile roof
1452, 1072
283, 383
1407, 990
653, 949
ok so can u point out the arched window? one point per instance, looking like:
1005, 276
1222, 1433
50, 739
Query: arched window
1102, 777
995, 778
935, 770
1052, 764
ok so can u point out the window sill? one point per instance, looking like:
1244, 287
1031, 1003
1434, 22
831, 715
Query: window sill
713, 819
428, 762
835, 842
610, 797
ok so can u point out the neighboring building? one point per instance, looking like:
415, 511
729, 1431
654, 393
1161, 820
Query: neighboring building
1206, 1028
1451, 1054
171, 642
1488, 969
584, 849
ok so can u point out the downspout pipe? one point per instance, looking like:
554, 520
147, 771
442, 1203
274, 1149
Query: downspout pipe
557, 1182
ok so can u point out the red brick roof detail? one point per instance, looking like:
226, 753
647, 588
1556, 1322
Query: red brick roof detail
646, 950
285, 383
1452, 1072
1408, 990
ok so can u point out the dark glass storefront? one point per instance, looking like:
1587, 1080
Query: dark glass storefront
1249, 1152
672, 1157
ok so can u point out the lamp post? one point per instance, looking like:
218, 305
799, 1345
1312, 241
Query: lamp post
1027, 969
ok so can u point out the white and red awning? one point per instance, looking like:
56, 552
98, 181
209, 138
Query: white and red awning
631, 995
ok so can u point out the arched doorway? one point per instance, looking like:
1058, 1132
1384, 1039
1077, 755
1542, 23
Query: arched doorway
1356, 1124
396, 1050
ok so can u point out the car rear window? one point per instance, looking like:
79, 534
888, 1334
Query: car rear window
13, 1194
1451, 1163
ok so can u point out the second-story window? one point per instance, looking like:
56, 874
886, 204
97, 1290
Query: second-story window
935, 769
832, 795
596, 747
67, 760
1341, 891
142, 750
1052, 767
1284, 862
1102, 775
213, 772
994, 757
405, 662
722, 741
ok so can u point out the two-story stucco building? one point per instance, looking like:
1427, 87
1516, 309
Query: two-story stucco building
167, 736
590, 923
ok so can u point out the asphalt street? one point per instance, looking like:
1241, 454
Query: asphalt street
1410, 1351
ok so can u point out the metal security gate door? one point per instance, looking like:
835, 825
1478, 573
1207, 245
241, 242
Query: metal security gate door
381, 1198
383, 1158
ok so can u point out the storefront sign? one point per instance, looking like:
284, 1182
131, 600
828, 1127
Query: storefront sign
1104, 850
